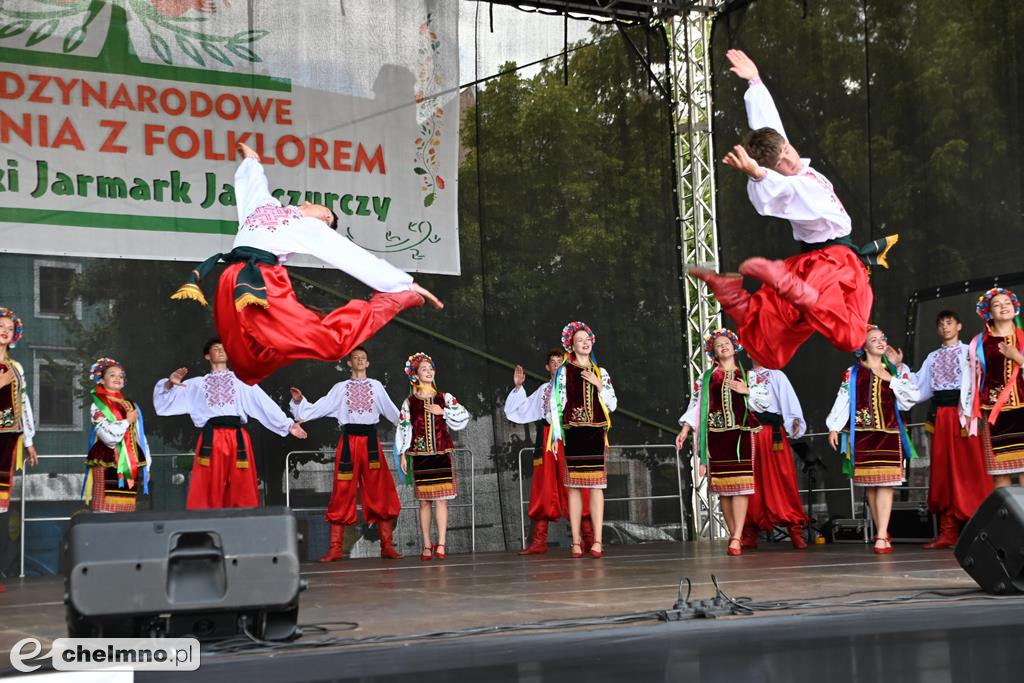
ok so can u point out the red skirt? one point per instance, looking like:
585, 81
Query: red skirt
8, 457
1003, 442
878, 459
107, 496
776, 500
731, 462
549, 499
222, 480
774, 328
260, 340
958, 481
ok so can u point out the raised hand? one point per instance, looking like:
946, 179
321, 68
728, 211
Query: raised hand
741, 161
894, 355
1008, 350
6, 377
742, 65
296, 394
297, 431
738, 385
591, 376
519, 376
435, 409
247, 151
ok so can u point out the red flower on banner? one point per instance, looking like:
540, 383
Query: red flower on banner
175, 8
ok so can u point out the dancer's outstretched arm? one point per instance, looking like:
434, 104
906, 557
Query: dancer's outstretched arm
251, 188
761, 110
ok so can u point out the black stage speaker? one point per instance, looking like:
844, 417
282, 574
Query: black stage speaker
208, 574
991, 545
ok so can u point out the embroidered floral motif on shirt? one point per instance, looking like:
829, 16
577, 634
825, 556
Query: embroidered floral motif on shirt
359, 396
579, 414
946, 370
547, 398
271, 217
219, 388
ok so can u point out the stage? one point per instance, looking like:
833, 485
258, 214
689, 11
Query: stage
481, 615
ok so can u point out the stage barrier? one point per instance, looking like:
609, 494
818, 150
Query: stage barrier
463, 456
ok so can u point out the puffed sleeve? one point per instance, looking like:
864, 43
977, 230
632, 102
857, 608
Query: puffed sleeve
387, 407
28, 421
110, 433
455, 414
760, 399
515, 406
789, 404
403, 433
608, 392
326, 405
840, 413
907, 392
177, 400
312, 236
761, 109
923, 377
251, 188
692, 414
968, 385
257, 405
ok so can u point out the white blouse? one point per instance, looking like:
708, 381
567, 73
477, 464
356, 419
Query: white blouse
523, 409
772, 392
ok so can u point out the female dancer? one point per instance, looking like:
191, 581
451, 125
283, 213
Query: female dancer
118, 460
422, 436
16, 424
723, 425
873, 392
992, 390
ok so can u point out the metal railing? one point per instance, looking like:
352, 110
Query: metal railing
524, 503
397, 476
80, 457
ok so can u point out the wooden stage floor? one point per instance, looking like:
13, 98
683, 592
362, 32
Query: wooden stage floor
407, 596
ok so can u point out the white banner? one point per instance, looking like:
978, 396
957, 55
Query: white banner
119, 119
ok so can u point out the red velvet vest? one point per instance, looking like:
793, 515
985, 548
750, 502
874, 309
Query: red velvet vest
429, 432
582, 400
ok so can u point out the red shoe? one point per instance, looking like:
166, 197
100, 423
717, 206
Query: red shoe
539, 542
728, 289
439, 554
949, 534
774, 274
387, 540
596, 554
575, 550
587, 534
336, 549
426, 555
887, 549
735, 547
796, 537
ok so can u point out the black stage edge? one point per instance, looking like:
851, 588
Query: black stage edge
933, 623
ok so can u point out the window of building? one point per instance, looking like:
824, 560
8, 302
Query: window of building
53, 289
56, 405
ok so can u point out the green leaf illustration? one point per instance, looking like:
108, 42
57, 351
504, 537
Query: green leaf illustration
248, 36
14, 28
420, 171
216, 53
161, 48
74, 38
244, 52
429, 199
189, 48
42, 33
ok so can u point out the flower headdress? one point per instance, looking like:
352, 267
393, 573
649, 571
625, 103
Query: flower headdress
101, 364
412, 365
870, 326
985, 302
19, 329
571, 329
709, 342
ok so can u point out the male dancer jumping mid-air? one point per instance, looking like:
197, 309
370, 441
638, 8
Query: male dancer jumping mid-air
260, 320
825, 288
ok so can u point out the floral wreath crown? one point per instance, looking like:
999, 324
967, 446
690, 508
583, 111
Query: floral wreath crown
571, 329
101, 364
709, 342
984, 307
19, 328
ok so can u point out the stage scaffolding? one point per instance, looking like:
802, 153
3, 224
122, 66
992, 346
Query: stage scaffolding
687, 25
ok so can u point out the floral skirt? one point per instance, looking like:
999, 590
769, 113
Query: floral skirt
731, 462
